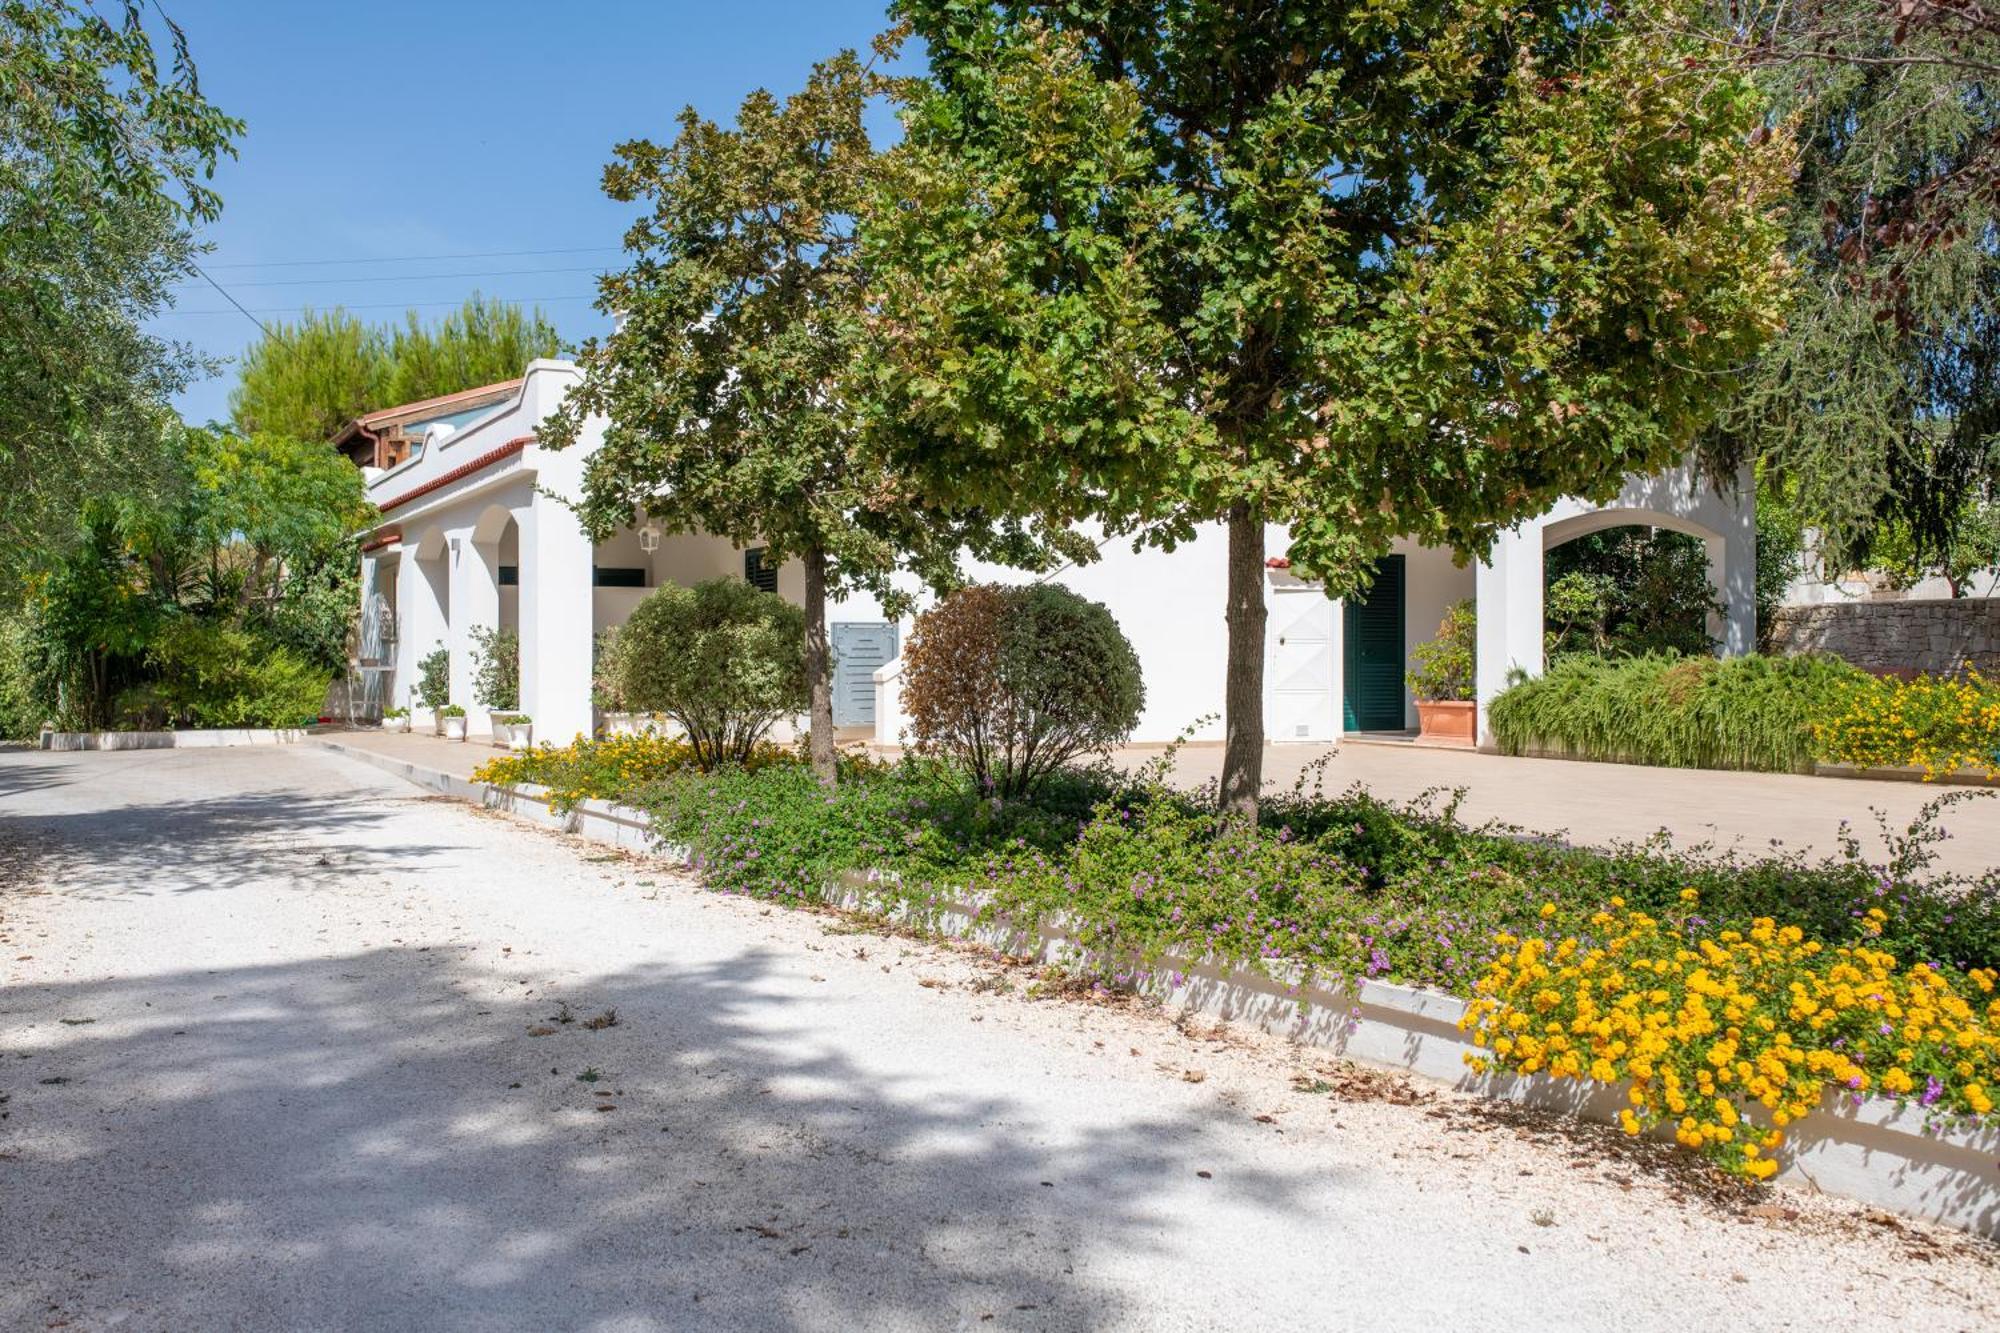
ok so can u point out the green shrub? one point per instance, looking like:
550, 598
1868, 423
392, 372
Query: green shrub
721, 658
1629, 591
1013, 683
1348, 886
1681, 712
496, 667
20, 708
1445, 665
210, 675
433, 688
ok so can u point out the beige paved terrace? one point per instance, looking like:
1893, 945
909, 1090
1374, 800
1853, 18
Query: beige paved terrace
1585, 803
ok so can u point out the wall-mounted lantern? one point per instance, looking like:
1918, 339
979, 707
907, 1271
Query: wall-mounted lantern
649, 538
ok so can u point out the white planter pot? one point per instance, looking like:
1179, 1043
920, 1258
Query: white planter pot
453, 728
396, 723
521, 736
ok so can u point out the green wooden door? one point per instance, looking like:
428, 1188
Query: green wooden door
1372, 653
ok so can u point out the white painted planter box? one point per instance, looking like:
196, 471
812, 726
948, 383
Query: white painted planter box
452, 728
1878, 1152
396, 723
169, 740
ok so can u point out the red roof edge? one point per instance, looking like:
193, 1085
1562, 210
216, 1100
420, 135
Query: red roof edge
459, 473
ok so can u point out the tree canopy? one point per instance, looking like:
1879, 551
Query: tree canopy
1877, 410
311, 376
727, 384
104, 162
1409, 269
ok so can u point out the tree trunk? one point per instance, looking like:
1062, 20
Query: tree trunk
1243, 689
819, 669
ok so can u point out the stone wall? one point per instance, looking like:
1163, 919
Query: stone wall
1900, 638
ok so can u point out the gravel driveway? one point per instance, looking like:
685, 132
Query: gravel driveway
284, 1044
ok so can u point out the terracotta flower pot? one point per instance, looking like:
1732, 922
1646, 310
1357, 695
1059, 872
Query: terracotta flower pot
1448, 721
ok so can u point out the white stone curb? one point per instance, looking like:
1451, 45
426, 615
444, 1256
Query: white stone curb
1879, 1153
170, 740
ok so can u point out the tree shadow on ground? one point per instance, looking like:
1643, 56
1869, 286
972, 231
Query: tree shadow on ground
284, 1146
191, 843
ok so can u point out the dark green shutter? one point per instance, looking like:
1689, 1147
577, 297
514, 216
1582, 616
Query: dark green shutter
1372, 653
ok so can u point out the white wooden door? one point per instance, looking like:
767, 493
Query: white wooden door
1299, 671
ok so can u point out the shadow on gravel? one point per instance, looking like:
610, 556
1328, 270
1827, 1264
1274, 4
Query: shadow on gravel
283, 1146
193, 844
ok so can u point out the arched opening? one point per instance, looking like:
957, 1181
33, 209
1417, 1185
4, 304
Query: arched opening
1625, 582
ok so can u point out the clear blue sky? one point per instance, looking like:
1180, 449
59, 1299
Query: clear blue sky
381, 131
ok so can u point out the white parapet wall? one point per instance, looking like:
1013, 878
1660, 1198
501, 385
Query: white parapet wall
1879, 1152
170, 740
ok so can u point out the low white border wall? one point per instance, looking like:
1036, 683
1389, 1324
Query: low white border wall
170, 740
1878, 1152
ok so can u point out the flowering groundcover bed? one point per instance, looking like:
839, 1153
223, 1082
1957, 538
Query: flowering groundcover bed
1729, 992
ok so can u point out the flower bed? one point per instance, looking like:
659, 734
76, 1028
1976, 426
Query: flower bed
1733, 1035
601, 770
1936, 724
1331, 893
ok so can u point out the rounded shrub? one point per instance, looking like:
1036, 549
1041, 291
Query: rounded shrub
722, 659
1013, 683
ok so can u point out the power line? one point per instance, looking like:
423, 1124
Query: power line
414, 277
236, 303
381, 305
405, 259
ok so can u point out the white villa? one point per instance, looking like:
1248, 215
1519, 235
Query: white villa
474, 533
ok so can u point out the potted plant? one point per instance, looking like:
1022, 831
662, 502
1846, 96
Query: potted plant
451, 722
395, 719
433, 687
514, 731
496, 677
1442, 679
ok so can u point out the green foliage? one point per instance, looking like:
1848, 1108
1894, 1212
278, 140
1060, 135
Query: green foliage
496, 667
433, 688
1970, 553
1679, 712
1346, 886
722, 659
484, 341
1012, 683
1781, 542
216, 675
1629, 591
21, 715
106, 145
311, 376
1878, 407
1445, 664
1371, 271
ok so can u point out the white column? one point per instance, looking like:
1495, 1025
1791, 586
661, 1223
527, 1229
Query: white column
556, 599
475, 604
1739, 568
421, 613
1508, 591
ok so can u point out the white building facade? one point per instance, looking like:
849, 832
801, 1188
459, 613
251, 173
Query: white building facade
474, 535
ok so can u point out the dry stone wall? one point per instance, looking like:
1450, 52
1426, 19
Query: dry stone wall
1940, 637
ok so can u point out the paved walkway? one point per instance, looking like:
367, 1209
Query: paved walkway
1587, 803
283, 1044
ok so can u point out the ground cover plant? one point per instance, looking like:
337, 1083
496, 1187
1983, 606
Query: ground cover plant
1732, 1035
1749, 712
1772, 965
1933, 723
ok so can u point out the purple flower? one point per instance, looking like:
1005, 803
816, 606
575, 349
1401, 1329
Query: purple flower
1933, 1089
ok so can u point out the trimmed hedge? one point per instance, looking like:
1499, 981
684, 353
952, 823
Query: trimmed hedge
1677, 712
